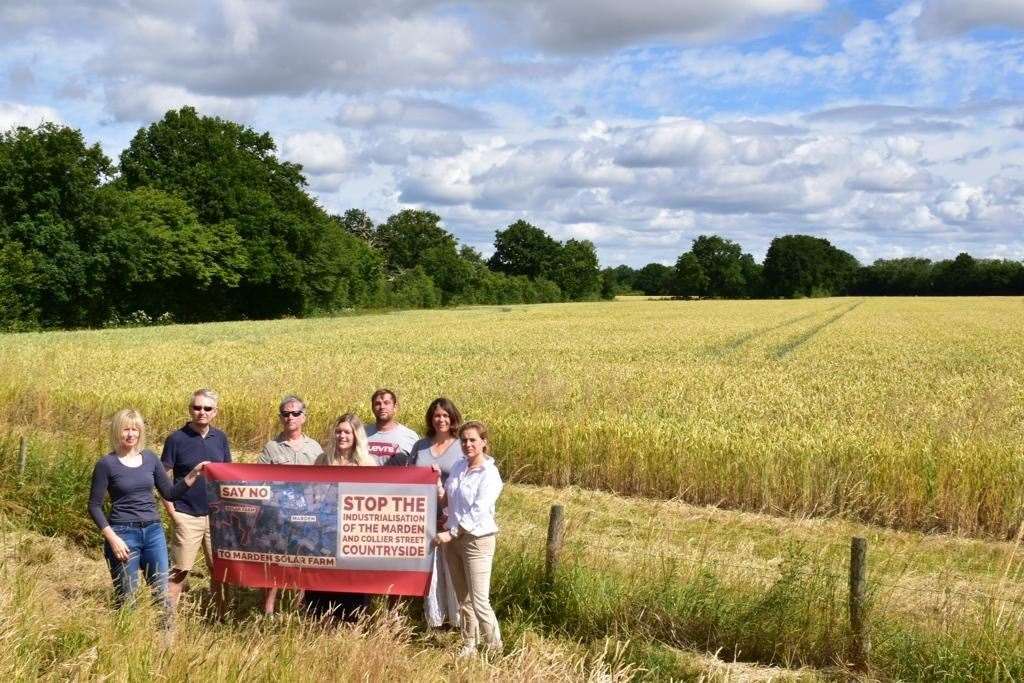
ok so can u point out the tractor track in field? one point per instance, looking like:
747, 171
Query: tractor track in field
795, 342
739, 341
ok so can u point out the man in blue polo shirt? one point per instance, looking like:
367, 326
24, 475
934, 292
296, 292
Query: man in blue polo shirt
195, 442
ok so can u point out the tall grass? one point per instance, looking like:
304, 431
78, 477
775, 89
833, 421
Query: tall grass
906, 413
55, 627
796, 617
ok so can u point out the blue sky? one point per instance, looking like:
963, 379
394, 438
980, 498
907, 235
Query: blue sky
891, 128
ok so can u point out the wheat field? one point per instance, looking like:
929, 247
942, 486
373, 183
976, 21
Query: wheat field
907, 413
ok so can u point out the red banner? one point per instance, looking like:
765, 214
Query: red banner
345, 529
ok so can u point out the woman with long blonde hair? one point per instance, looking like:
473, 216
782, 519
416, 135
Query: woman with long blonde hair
346, 446
347, 443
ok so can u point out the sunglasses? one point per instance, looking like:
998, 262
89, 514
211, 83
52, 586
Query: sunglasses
292, 413
205, 409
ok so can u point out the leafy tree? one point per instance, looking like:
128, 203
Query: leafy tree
357, 223
999, 276
964, 275
653, 279
802, 265
49, 179
407, 235
902, 276
625, 279
224, 170
18, 287
471, 255
522, 249
450, 271
957, 277
49, 170
59, 287
412, 238
610, 286
753, 275
721, 261
339, 269
415, 289
153, 255
229, 173
576, 270
688, 278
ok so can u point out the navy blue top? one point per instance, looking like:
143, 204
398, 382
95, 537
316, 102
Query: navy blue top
183, 450
130, 488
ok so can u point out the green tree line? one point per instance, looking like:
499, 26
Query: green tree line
200, 220
806, 266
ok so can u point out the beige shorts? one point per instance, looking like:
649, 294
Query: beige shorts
190, 533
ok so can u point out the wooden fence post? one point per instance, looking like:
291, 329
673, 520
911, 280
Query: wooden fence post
556, 534
22, 457
860, 646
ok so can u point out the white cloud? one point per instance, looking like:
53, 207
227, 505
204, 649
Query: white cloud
597, 25
145, 103
392, 149
592, 119
258, 47
892, 176
319, 153
942, 18
905, 146
682, 142
14, 114
960, 203
411, 112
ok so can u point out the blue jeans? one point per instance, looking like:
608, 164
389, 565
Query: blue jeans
147, 549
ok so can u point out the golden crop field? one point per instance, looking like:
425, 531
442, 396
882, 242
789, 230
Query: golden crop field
902, 412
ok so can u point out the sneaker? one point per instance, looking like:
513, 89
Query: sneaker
468, 650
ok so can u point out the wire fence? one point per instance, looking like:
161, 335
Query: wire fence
695, 553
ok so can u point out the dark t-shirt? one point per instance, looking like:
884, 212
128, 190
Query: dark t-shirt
183, 450
130, 489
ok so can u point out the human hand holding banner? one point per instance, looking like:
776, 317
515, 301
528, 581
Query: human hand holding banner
346, 529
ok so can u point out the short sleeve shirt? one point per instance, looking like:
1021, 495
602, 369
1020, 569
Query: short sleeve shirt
395, 444
279, 452
183, 450
445, 461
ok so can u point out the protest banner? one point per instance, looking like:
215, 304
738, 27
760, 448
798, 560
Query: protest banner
347, 529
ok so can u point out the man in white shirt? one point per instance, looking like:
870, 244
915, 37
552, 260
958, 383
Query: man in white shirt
390, 442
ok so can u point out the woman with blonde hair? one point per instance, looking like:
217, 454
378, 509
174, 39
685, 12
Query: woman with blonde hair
347, 443
346, 446
471, 492
132, 532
